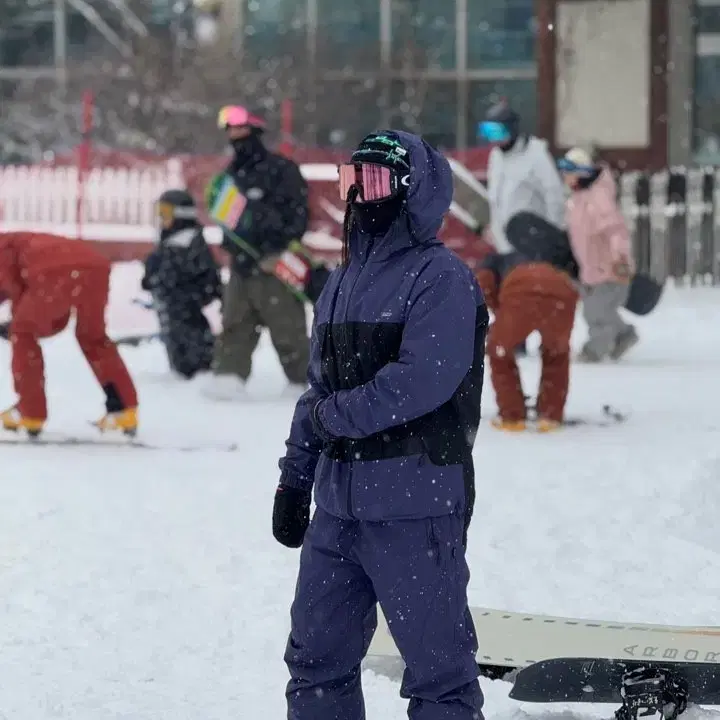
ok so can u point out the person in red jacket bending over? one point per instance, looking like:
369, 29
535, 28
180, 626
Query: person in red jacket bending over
46, 277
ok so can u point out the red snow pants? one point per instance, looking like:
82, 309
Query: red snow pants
532, 297
44, 310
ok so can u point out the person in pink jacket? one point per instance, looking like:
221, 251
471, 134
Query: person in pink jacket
600, 241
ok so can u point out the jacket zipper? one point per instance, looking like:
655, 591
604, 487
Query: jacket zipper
346, 334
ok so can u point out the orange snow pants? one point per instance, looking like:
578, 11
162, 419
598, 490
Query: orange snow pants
533, 297
43, 311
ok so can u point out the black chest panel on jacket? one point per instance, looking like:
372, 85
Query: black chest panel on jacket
352, 354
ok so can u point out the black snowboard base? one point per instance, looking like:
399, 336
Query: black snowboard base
631, 683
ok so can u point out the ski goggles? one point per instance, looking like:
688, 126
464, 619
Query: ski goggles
374, 182
494, 132
564, 165
237, 116
167, 212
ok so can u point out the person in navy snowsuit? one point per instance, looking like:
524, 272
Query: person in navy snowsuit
384, 434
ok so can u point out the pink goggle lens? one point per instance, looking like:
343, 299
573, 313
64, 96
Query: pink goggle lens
374, 182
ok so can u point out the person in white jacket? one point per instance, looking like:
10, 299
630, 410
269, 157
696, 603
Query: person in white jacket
525, 190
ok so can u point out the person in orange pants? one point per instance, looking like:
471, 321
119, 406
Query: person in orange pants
527, 296
46, 278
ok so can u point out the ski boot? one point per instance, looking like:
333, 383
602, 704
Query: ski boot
650, 691
124, 421
545, 425
13, 421
625, 341
587, 357
512, 426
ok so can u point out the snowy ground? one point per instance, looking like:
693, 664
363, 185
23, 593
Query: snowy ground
147, 585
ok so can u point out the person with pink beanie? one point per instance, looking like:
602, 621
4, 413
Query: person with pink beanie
600, 242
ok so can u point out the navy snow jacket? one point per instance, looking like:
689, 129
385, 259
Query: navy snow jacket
397, 357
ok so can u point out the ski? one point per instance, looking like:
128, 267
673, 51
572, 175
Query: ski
58, 440
145, 304
136, 340
129, 340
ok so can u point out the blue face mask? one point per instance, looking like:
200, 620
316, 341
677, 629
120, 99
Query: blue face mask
494, 132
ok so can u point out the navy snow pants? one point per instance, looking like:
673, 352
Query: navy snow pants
416, 570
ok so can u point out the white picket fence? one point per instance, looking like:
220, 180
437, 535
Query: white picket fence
117, 203
114, 195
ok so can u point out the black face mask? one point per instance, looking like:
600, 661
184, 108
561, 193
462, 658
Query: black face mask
510, 144
376, 218
585, 182
247, 148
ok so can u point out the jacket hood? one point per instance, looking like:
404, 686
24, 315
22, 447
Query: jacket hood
430, 190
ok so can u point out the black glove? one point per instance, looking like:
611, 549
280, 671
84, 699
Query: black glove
4, 330
152, 265
291, 515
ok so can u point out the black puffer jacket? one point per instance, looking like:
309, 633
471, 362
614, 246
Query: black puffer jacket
182, 277
277, 210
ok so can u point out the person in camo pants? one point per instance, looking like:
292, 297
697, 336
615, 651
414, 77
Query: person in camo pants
601, 245
276, 216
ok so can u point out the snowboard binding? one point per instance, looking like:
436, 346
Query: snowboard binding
648, 691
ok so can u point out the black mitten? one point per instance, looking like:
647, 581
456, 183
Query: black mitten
317, 423
291, 515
